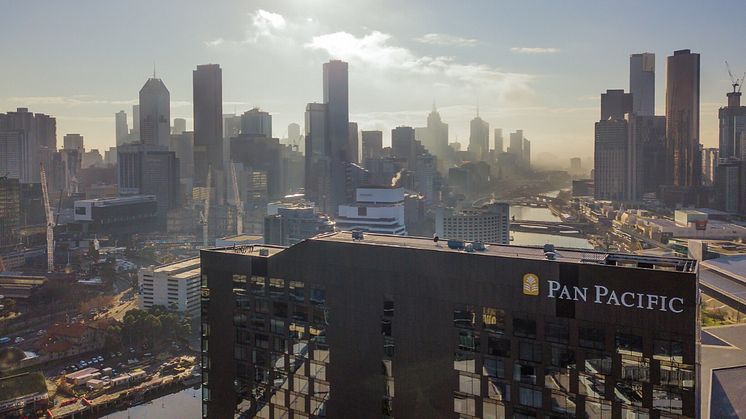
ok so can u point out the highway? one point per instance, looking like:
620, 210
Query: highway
727, 289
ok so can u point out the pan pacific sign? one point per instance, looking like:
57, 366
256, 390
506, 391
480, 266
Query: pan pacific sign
600, 294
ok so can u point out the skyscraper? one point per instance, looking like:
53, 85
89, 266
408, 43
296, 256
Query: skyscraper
516, 143
646, 162
207, 85
256, 122
73, 141
403, 144
526, 152
610, 159
136, 122
155, 113
434, 136
615, 104
32, 139
642, 83
179, 126
372, 145
732, 126
317, 156
122, 131
479, 138
337, 101
354, 141
682, 120
499, 141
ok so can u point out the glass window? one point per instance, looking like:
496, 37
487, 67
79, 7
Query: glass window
498, 390
468, 341
591, 385
277, 326
297, 291
388, 307
557, 332
464, 404
261, 341
596, 363
528, 351
494, 368
464, 361
257, 285
276, 287
523, 327
635, 368
668, 350
318, 296
386, 326
493, 319
630, 412
320, 388
300, 313
318, 370
497, 346
262, 305
280, 308
388, 346
677, 375
463, 316
300, 384
628, 393
667, 400
562, 403
469, 384
258, 322
597, 409
491, 410
529, 397
557, 379
629, 343
591, 337
563, 357
525, 373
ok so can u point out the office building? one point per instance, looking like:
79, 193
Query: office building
709, 163
646, 155
526, 155
174, 286
155, 113
179, 126
288, 223
615, 104
434, 136
499, 141
377, 209
610, 159
256, 122
125, 214
28, 139
372, 145
318, 159
135, 123
515, 146
642, 83
354, 142
479, 138
260, 153
425, 174
183, 146
404, 145
487, 224
72, 161
732, 127
336, 97
10, 211
73, 141
576, 165
150, 170
207, 84
294, 136
121, 129
683, 166
366, 325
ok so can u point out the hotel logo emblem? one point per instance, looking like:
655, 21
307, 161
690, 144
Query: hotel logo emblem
530, 284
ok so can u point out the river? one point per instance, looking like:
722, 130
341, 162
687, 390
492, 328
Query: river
538, 239
186, 404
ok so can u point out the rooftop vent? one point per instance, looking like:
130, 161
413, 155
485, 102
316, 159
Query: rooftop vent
549, 252
263, 252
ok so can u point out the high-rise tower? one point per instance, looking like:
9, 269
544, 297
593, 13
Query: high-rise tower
155, 113
207, 83
642, 83
682, 120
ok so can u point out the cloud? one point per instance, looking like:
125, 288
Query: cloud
76, 100
265, 24
534, 50
444, 39
376, 50
215, 42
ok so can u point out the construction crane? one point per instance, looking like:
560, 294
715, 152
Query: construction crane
237, 201
735, 82
50, 219
205, 219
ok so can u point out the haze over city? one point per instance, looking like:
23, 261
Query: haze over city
533, 65
372, 209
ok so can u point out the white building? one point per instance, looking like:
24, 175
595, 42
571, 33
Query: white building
175, 285
378, 209
487, 224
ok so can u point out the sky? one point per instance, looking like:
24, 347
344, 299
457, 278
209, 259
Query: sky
534, 65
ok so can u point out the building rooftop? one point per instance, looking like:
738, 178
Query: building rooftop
526, 252
193, 273
175, 267
15, 386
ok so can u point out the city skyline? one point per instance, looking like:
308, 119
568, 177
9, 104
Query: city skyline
433, 60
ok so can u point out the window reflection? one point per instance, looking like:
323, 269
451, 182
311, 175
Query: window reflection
524, 373
597, 409
628, 393
493, 320
463, 316
591, 385
667, 399
596, 363
524, 327
562, 403
464, 361
591, 337
635, 368
494, 368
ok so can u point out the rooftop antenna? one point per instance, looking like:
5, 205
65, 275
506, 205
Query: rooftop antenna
435, 109
153, 69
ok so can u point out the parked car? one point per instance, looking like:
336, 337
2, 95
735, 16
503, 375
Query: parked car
4, 340
18, 339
